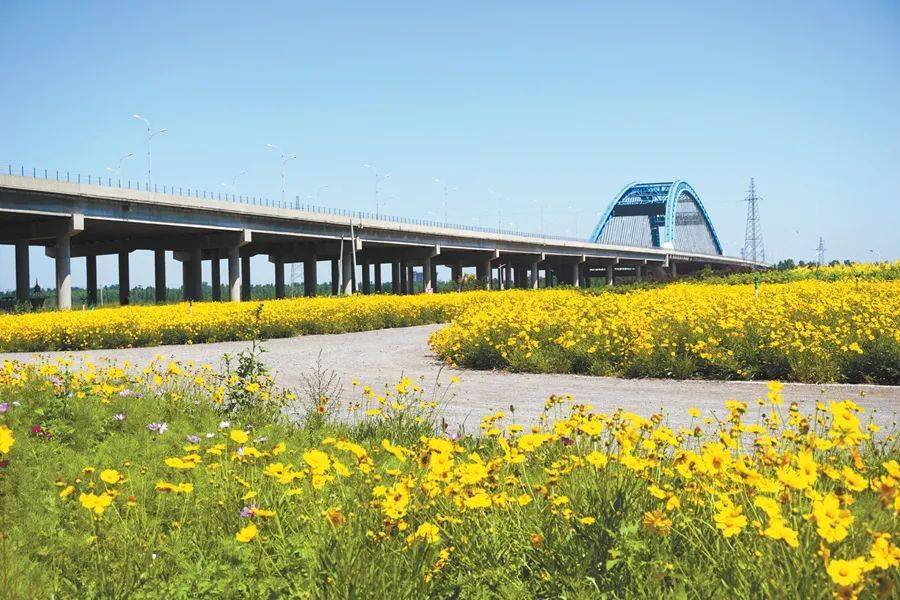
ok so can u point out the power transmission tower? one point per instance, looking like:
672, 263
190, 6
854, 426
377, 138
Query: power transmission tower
753, 243
820, 252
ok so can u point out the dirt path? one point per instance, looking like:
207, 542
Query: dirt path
380, 357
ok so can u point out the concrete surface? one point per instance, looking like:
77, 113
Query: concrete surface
380, 357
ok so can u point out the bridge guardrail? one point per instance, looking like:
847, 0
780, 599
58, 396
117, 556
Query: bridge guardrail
171, 190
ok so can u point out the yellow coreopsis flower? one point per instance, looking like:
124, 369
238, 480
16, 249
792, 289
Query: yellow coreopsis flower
247, 534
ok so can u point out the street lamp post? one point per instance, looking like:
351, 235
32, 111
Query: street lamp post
233, 185
447, 190
150, 135
377, 178
118, 169
284, 161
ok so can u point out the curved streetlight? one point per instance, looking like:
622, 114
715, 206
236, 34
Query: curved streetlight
118, 169
284, 161
377, 178
150, 135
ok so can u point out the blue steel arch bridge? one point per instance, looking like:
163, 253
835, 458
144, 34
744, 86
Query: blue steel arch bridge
666, 214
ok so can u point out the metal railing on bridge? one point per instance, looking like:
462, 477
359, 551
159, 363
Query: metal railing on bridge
171, 190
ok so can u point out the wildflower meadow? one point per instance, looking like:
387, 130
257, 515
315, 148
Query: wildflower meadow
179, 480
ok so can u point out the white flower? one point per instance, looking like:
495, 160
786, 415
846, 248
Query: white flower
224, 424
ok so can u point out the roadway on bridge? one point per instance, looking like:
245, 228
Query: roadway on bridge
380, 357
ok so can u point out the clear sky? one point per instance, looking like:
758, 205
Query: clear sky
547, 104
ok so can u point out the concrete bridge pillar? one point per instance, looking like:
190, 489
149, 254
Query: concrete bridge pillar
378, 286
215, 276
335, 276
535, 275
609, 275
576, 275
245, 278
91, 278
434, 276
347, 274
410, 279
234, 274
310, 279
279, 276
195, 270
638, 274
366, 278
124, 278
483, 272
23, 275
395, 277
427, 281
456, 274
159, 275
507, 277
403, 277
674, 269
63, 272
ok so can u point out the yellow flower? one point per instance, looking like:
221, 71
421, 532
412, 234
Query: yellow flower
657, 522
399, 452
587, 520
478, 500
6, 439
174, 488
96, 504
317, 460
239, 437
730, 519
846, 573
428, 532
832, 521
531, 441
111, 476
596, 459
247, 534
884, 554
66, 491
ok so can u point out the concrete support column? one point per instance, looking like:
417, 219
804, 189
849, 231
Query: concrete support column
63, 272
159, 275
366, 278
234, 274
245, 278
378, 287
576, 275
456, 274
483, 273
215, 276
434, 280
124, 279
23, 275
410, 279
427, 281
335, 276
674, 269
609, 275
404, 277
90, 263
279, 276
395, 277
638, 274
509, 276
535, 275
195, 272
310, 278
347, 274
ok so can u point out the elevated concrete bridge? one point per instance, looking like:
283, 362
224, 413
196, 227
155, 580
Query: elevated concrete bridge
72, 219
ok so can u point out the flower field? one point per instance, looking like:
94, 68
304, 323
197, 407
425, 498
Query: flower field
842, 326
814, 331
175, 480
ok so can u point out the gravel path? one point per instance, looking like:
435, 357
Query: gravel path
380, 357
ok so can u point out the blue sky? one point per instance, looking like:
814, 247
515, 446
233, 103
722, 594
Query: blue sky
548, 104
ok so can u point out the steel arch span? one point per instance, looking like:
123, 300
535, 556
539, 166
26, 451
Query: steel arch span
666, 214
